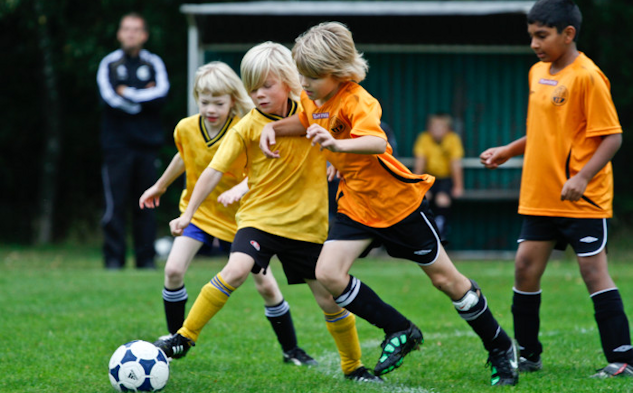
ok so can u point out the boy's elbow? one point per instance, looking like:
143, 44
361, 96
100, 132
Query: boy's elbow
381, 146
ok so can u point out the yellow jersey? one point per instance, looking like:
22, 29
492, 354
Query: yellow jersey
197, 148
567, 114
287, 196
438, 156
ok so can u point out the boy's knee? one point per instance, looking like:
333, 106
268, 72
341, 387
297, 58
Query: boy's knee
174, 274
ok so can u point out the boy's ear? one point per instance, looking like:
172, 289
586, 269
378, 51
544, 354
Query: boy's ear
569, 34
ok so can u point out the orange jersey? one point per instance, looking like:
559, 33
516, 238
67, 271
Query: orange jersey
197, 148
376, 189
567, 114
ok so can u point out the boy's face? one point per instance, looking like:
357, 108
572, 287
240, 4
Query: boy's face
272, 96
438, 128
214, 109
319, 89
548, 44
132, 34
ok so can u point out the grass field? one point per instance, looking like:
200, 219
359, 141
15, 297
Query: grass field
62, 316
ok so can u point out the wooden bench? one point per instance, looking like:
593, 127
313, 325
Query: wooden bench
482, 194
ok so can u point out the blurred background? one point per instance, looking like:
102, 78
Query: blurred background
49, 134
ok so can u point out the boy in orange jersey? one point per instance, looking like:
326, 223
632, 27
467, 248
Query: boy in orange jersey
222, 101
278, 216
379, 201
572, 133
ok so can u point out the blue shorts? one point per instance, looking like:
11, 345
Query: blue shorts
587, 236
198, 234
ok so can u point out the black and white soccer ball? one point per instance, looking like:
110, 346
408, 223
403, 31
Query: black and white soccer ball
138, 366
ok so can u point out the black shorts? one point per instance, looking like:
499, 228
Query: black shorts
442, 185
587, 236
298, 258
415, 238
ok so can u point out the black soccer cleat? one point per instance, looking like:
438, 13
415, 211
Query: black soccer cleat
615, 370
361, 374
395, 347
175, 346
299, 357
504, 366
527, 366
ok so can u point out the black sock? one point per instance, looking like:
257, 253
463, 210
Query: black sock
481, 320
613, 326
362, 301
281, 321
525, 311
175, 301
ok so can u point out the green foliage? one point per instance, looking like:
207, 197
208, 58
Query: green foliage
63, 316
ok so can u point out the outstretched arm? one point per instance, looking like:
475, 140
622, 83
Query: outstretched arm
151, 196
290, 126
367, 144
495, 156
575, 187
208, 180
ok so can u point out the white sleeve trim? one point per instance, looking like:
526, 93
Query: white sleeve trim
106, 90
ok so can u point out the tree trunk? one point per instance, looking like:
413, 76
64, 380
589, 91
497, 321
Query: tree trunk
52, 146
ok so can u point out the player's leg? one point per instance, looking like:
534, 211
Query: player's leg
211, 299
116, 178
472, 306
588, 237
401, 335
342, 327
143, 220
175, 294
277, 312
529, 265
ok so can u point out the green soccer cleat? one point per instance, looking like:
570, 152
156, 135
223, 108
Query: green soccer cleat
395, 347
504, 366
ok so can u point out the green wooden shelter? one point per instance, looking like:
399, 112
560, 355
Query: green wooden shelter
470, 59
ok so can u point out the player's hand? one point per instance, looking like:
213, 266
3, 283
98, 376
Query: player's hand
151, 197
177, 225
230, 196
493, 157
120, 89
323, 137
573, 189
332, 173
457, 192
266, 140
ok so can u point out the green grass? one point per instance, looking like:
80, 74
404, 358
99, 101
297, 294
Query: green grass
62, 316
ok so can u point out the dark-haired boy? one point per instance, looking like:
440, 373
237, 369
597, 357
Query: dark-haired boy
572, 133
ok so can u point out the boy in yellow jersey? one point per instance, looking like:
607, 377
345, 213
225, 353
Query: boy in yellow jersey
222, 101
284, 213
438, 151
572, 134
379, 201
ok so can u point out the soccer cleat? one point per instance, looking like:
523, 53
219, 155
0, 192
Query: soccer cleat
175, 346
528, 366
361, 374
504, 365
395, 347
299, 357
615, 370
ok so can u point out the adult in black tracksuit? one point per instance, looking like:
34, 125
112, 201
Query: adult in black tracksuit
133, 86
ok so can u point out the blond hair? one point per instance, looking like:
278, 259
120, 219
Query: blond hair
328, 49
217, 78
266, 58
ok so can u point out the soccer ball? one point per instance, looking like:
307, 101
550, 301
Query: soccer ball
138, 366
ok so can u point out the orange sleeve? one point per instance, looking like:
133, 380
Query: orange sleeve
602, 118
364, 117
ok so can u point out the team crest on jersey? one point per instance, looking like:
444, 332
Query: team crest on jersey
142, 73
255, 245
325, 115
338, 125
560, 95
